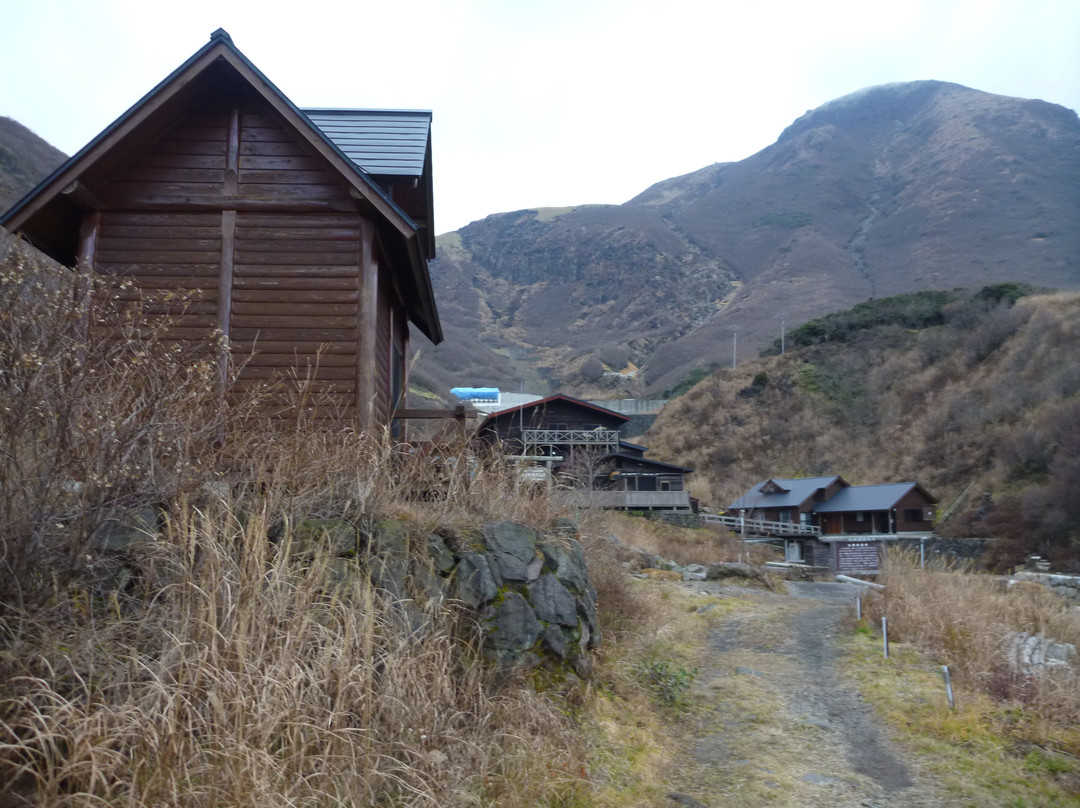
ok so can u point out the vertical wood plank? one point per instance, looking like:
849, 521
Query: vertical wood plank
405, 380
225, 284
232, 154
366, 322
89, 229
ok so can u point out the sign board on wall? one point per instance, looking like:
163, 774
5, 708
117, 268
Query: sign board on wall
854, 556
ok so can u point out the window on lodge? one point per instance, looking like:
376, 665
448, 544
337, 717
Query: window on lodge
915, 515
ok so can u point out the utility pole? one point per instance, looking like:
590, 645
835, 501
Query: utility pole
734, 346
782, 333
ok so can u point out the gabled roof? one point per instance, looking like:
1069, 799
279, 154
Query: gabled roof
47, 206
789, 493
557, 397
870, 498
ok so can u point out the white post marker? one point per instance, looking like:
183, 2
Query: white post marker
948, 687
858, 608
885, 636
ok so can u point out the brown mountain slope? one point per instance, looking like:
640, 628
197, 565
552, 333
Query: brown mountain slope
889, 190
25, 159
947, 388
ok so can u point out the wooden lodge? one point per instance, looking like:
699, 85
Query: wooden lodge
825, 521
579, 442
302, 236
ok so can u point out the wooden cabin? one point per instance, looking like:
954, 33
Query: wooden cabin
580, 442
825, 521
302, 236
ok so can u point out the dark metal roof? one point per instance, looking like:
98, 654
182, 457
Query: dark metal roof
659, 464
796, 492
869, 498
557, 397
380, 141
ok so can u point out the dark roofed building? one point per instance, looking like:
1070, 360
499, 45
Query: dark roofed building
826, 521
579, 441
890, 508
306, 246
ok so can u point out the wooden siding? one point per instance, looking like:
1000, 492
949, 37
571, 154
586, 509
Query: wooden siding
165, 253
254, 241
295, 302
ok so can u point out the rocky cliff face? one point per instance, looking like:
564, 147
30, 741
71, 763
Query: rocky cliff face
893, 189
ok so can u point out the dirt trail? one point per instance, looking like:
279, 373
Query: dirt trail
782, 725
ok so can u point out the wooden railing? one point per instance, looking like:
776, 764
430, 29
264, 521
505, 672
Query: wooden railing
606, 440
761, 527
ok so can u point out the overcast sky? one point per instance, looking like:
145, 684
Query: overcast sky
546, 103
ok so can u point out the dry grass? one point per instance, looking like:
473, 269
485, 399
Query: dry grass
966, 621
211, 666
682, 545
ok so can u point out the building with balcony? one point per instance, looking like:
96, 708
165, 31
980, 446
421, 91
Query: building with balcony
579, 443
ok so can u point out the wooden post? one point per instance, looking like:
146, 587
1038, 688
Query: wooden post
84, 268
367, 316
225, 285
232, 155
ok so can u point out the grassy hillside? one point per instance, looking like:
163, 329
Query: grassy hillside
962, 391
25, 160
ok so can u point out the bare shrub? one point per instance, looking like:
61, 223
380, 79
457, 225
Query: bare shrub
94, 421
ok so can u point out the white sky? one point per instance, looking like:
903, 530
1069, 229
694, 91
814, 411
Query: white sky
549, 102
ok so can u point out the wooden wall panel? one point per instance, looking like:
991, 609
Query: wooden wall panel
295, 316
187, 161
275, 164
173, 259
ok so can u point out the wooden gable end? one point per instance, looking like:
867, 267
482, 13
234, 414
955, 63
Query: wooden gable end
232, 208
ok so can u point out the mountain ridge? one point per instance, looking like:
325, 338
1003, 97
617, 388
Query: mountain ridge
884, 191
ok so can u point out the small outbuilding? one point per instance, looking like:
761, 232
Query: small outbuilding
301, 235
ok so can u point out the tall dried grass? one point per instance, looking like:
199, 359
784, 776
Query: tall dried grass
970, 622
226, 669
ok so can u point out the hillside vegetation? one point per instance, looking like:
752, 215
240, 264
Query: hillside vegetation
25, 160
972, 392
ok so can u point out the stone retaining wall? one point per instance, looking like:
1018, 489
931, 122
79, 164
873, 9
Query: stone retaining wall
1067, 586
530, 592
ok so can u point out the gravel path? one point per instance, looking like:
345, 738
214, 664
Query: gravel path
783, 727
